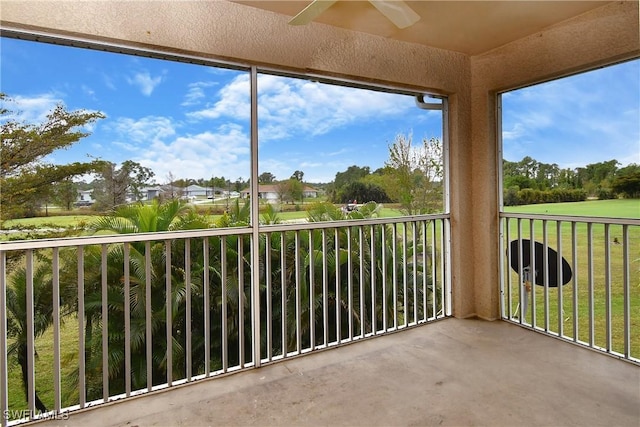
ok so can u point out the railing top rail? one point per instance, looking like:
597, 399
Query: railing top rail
573, 218
205, 232
120, 238
349, 223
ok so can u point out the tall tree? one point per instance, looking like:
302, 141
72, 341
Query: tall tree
289, 190
24, 177
116, 184
627, 181
352, 174
298, 175
415, 174
65, 193
266, 178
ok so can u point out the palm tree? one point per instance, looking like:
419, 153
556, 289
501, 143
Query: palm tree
155, 217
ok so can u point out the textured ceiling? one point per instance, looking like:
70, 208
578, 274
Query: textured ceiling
471, 27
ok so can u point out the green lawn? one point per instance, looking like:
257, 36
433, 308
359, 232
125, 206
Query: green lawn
620, 208
44, 369
49, 221
548, 304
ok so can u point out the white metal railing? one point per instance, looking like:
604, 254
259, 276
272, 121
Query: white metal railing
181, 306
598, 258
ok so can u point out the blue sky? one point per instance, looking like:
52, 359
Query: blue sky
192, 121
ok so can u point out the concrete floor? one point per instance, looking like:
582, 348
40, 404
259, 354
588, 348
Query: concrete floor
452, 373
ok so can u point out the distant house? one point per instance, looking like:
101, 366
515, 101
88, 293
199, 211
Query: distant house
85, 198
150, 193
309, 192
194, 191
271, 192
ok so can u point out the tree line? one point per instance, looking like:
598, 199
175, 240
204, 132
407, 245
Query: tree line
411, 177
530, 181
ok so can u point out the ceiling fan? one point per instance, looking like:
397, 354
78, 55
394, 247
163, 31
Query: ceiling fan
396, 11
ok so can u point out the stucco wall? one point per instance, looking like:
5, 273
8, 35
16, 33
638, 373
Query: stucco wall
600, 37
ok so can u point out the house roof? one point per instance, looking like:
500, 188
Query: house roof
273, 188
195, 187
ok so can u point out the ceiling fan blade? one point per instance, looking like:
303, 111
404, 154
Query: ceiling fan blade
398, 12
311, 12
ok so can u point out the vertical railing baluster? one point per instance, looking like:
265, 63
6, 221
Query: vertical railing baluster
269, 298
607, 286
574, 250
626, 283
434, 272
207, 307
223, 302
338, 296
373, 275
559, 271
325, 289
82, 384
4, 366
521, 294
559, 280
383, 246
414, 260
240, 264
188, 328
394, 260
147, 311
446, 266
590, 279
126, 250
298, 276
425, 291
349, 284
283, 291
545, 267
55, 267
311, 284
405, 277
31, 382
533, 272
105, 323
168, 289
361, 255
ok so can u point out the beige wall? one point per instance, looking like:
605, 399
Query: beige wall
602, 36
228, 31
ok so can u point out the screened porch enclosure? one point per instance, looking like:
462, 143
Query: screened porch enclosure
413, 320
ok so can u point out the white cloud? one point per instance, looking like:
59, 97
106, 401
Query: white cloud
32, 109
145, 82
289, 107
196, 93
142, 131
223, 152
233, 102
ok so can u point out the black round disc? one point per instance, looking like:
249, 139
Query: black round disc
552, 262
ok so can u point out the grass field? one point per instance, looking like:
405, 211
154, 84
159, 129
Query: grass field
80, 220
598, 288
620, 208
